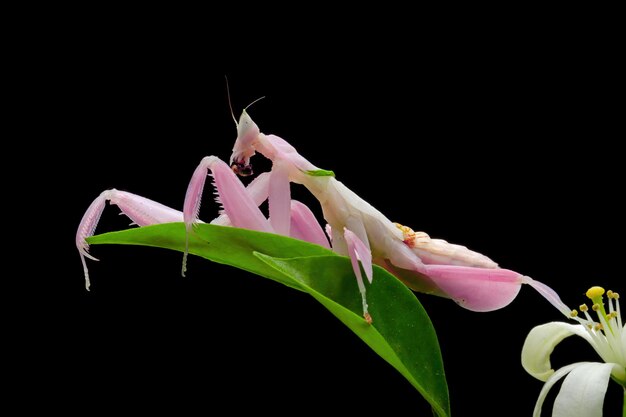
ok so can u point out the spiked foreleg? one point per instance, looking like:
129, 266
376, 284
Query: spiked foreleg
258, 190
240, 204
237, 203
142, 211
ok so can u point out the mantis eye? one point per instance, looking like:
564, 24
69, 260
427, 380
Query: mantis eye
242, 169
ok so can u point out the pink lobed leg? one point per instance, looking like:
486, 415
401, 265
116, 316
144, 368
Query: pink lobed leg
279, 199
237, 203
549, 294
235, 200
258, 190
358, 251
477, 289
304, 225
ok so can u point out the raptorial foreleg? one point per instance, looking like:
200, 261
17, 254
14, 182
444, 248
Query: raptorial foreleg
142, 211
240, 205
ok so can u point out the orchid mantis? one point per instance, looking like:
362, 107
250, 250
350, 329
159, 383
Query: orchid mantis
355, 228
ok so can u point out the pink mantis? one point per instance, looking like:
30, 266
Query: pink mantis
356, 229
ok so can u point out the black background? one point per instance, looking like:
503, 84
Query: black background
505, 141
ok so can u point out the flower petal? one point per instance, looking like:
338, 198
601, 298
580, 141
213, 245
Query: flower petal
550, 382
582, 393
540, 343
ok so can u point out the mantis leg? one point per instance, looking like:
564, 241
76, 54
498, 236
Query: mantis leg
474, 288
358, 251
348, 243
279, 198
258, 190
142, 211
304, 225
477, 289
237, 203
240, 204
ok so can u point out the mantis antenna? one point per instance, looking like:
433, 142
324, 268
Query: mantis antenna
230, 104
258, 99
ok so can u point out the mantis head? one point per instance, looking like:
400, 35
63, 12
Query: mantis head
247, 135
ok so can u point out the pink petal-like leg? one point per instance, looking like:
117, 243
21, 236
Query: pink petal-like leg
474, 288
549, 294
487, 289
258, 190
477, 289
142, 211
237, 204
358, 251
279, 198
304, 225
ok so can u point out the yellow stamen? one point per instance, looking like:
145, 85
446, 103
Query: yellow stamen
595, 292
574, 313
596, 295
583, 307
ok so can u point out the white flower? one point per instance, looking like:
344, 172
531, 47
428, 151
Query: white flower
583, 390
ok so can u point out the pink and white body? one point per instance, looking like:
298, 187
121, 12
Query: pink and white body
357, 229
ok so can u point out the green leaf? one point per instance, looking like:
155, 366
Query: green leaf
401, 332
320, 173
